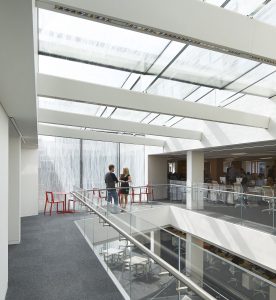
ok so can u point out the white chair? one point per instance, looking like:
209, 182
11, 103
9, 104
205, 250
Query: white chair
239, 196
268, 192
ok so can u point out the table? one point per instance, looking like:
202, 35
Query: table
137, 261
113, 253
64, 194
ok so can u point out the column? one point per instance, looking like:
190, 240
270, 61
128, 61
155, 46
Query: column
155, 245
194, 259
14, 185
195, 175
29, 182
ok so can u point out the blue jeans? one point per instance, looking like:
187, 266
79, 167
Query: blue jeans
112, 194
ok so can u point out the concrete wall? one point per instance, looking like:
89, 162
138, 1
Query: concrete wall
4, 155
29, 182
14, 185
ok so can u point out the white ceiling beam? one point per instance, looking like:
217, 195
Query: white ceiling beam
52, 130
80, 120
62, 88
18, 56
196, 22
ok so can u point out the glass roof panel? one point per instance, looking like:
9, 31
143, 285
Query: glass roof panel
198, 93
171, 88
69, 106
161, 120
244, 7
172, 121
197, 65
251, 77
79, 71
164, 59
86, 40
216, 96
149, 117
107, 111
130, 81
215, 2
265, 87
143, 82
128, 115
231, 99
268, 13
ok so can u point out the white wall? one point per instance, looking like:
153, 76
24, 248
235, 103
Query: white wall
157, 169
14, 185
254, 245
29, 182
4, 156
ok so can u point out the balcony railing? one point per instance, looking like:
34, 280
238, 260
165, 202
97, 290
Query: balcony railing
132, 251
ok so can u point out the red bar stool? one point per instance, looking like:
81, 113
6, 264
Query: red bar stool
148, 190
134, 193
51, 200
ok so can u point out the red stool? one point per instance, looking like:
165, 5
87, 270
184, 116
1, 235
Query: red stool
51, 200
148, 190
135, 193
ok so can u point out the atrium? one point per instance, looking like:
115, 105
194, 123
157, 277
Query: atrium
181, 93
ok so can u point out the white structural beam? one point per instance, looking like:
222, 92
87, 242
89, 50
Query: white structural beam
80, 120
57, 87
45, 129
193, 21
18, 56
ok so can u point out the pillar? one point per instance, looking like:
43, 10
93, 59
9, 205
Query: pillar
195, 175
14, 185
194, 259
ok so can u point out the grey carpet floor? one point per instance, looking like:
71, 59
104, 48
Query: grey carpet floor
54, 261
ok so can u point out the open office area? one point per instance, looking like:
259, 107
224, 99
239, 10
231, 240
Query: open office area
138, 149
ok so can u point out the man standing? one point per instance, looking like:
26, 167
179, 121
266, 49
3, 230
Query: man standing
110, 180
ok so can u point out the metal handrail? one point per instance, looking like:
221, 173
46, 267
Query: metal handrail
178, 275
152, 186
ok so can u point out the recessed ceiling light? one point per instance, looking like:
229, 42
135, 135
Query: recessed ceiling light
239, 154
265, 158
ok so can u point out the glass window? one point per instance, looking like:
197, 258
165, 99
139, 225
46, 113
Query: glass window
133, 157
97, 156
59, 165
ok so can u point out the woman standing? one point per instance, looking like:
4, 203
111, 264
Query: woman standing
124, 191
